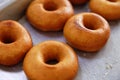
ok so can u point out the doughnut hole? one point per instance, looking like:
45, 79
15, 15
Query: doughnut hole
112, 0
50, 6
91, 24
51, 61
8, 38
51, 57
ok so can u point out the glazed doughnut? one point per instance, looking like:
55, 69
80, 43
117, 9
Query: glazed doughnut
78, 2
87, 31
15, 41
49, 15
109, 9
51, 60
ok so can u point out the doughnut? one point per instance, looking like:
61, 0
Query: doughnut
78, 2
49, 15
109, 9
87, 32
51, 60
15, 41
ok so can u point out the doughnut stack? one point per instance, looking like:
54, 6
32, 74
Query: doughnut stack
50, 60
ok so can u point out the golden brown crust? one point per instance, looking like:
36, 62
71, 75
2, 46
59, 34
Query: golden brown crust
49, 15
109, 9
87, 31
36, 68
15, 41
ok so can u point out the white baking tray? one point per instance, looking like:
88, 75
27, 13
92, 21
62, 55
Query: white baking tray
102, 65
7, 11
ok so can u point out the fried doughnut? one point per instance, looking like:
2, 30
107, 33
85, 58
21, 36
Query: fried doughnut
51, 60
15, 41
78, 2
87, 32
109, 9
49, 15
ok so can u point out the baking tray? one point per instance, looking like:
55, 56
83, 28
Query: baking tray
101, 65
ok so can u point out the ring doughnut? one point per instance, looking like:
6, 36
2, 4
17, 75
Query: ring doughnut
109, 9
49, 15
51, 60
15, 41
87, 32
78, 2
